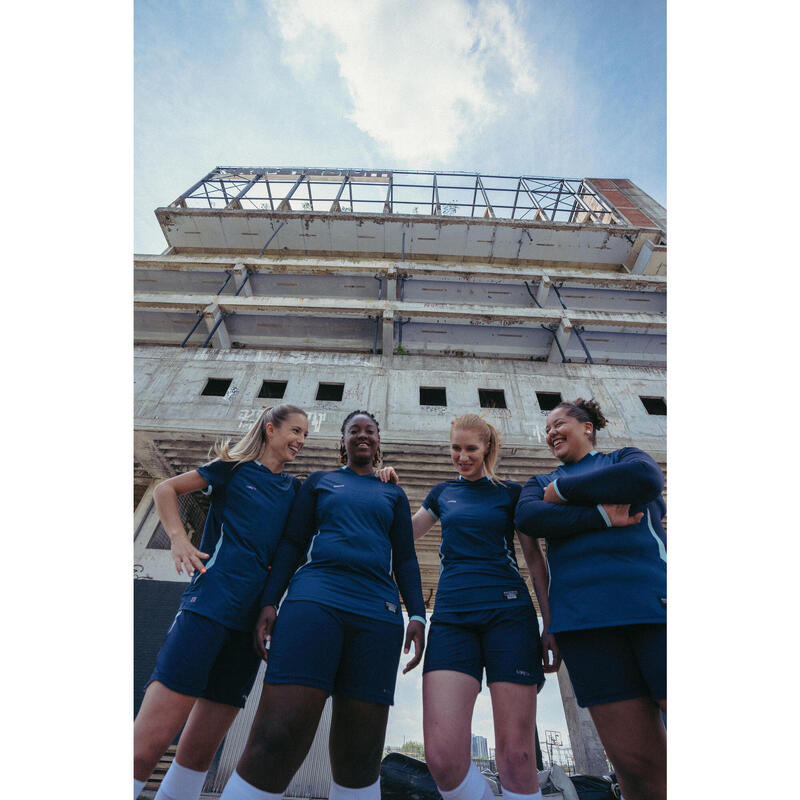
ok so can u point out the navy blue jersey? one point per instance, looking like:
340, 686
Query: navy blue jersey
355, 533
478, 565
599, 575
249, 506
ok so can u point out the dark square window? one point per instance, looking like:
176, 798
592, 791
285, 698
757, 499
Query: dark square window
274, 389
492, 398
330, 391
655, 405
217, 387
548, 400
432, 396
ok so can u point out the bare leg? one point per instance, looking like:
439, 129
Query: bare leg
448, 698
282, 733
358, 730
514, 712
160, 717
206, 727
636, 743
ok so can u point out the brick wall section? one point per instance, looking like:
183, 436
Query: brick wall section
616, 192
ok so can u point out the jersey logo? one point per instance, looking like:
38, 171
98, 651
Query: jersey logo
251, 487
390, 606
452, 501
338, 485
511, 594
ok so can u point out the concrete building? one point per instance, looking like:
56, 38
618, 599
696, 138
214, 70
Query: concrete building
417, 295
479, 747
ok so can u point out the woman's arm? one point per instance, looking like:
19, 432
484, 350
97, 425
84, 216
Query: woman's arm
539, 519
184, 554
635, 478
537, 567
422, 522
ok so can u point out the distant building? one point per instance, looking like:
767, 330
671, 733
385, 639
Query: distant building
480, 748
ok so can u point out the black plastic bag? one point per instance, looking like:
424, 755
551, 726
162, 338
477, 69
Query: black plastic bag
406, 778
590, 787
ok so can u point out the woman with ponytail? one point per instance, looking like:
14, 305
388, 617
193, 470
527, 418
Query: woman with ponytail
207, 665
483, 619
606, 549
347, 549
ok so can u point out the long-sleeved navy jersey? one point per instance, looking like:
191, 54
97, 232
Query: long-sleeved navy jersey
355, 533
249, 506
601, 575
478, 564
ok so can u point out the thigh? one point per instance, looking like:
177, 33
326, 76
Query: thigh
306, 646
161, 715
511, 647
368, 663
234, 671
358, 730
455, 646
448, 700
602, 666
204, 730
187, 656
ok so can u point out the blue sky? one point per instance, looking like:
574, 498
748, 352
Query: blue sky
569, 89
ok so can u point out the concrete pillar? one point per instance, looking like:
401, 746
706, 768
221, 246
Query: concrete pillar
388, 333
239, 275
543, 290
587, 749
221, 337
391, 284
562, 335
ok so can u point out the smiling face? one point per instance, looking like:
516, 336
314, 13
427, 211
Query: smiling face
284, 442
468, 451
361, 442
568, 439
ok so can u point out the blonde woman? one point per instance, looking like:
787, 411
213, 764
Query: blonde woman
207, 664
483, 619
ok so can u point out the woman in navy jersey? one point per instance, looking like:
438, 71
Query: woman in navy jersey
483, 619
206, 667
340, 628
606, 549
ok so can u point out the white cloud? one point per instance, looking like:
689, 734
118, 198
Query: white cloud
421, 76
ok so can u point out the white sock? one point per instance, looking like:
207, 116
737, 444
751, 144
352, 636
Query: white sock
508, 795
137, 788
473, 787
371, 792
181, 783
237, 788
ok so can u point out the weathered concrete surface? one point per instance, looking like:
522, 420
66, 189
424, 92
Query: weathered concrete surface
587, 749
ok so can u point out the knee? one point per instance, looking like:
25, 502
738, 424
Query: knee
516, 763
447, 767
147, 751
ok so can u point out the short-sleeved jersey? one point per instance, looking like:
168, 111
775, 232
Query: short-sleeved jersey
249, 506
601, 575
477, 562
355, 532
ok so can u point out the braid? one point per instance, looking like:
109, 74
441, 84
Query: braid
343, 453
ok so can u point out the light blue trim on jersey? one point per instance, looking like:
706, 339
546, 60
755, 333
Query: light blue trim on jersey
418, 619
432, 513
175, 620
511, 560
662, 551
308, 552
555, 489
207, 491
605, 516
210, 562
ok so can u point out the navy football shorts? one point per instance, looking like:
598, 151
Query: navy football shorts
203, 658
503, 640
606, 665
344, 654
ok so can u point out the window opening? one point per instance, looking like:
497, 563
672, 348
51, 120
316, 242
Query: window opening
432, 396
330, 391
273, 389
217, 387
492, 398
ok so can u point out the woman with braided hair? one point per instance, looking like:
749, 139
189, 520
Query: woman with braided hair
606, 549
339, 630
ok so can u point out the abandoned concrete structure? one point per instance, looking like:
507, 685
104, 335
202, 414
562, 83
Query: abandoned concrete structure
417, 295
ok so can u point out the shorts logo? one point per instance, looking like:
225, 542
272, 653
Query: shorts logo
511, 594
523, 672
192, 599
391, 606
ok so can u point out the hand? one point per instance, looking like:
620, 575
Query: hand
619, 514
550, 495
262, 633
388, 475
414, 632
186, 555
550, 663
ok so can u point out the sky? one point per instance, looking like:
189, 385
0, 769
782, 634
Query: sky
570, 89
